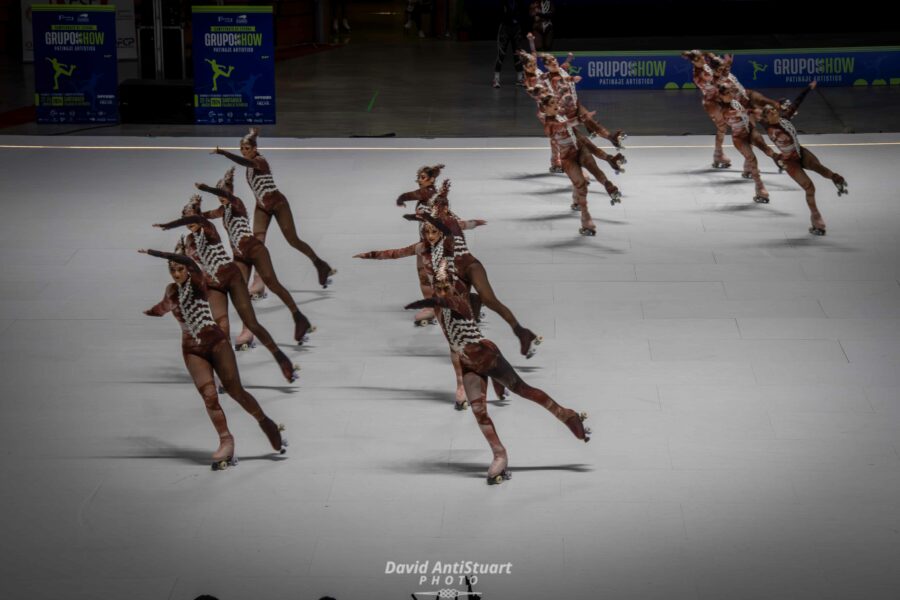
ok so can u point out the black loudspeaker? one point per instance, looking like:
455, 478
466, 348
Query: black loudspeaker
168, 101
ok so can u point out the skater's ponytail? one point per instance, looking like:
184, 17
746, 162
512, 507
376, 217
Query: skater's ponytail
250, 138
432, 171
227, 181
193, 206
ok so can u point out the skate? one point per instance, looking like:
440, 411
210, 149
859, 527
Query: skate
556, 169
498, 473
461, 402
575, 423
257, 289
761, 199
618, 139
224, 457
244, 341
290, 371
302, 328
588, 231
615, 197
747, 175
324, 271
527, 342
817, 231
500, 390
273, 432
721, 164
496, 82
575, 206
840, 183
616, 163
424, 318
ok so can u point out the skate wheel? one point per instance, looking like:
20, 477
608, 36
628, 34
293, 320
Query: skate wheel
760, 199
587, 431
460, 406
586, 439
281, 427
537, 341
234, 461
284, 443
575, 207
816, 231
587, 232
282, 451
583, 416
746, 175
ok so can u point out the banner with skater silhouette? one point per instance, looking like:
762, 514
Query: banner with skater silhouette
832, 67
234, 64
75, 76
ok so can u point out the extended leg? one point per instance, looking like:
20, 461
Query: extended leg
285, 219
743, 146
478, 276
795, 170
811, 162
579, 195
476, 391
261, 221
201, 372
262, 260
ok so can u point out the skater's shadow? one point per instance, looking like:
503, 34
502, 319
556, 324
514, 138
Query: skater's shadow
552, 191
530, 176
583, 242
167, 376
373, 391
477, 470
156, 449
762, 209
560, 216
812, 241
284, 389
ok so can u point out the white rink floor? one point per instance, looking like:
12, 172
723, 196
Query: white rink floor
742, 380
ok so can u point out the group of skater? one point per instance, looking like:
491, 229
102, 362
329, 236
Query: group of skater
454, 284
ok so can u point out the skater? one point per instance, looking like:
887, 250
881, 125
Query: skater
250, 253
574, 157
509, 37
541, 12
737, 117
206, 351
797, 159
705, 80
481, 359
271, 202
224, 280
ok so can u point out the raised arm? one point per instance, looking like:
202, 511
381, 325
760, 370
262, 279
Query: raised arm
419, 195
193, 219
244, 162
178, 258
389, 254
471, 223
215, 191
793, 106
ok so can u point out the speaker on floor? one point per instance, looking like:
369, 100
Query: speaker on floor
152, 101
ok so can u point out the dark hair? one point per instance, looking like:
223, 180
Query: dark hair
545, 100
726, 89
432, 171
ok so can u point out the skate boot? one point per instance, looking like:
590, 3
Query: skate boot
720, 161
324, 272
257, 289
290, 371
840, 183
760, 199
244, 341
500, 390
496, 82
747, 175
575, 423
425, 317
575, 206
616, 162
818, 225
498, 473
556, 169
224, 457
527, 342
615, 196
273, 432
302, 328
461, 403
618, 139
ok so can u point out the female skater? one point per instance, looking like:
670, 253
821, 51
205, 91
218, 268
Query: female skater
271, 202
206, 350
249, 252
742, 128
796, 158
224, 279
481, 359
705, 80
575, 155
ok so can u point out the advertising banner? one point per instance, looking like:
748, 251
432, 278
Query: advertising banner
234, 64
755, 68
126, 41
75, 75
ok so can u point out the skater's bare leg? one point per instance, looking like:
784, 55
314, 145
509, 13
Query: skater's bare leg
218, 304
478, 276
460, 389
226, 367
202, 374
715, 114
285, 219
476, 391
245, 337
811, 162
750, 165
262, 260
795, 170
261, 221
244, 307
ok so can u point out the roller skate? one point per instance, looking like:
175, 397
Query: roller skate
496, 82
747, 175
575, 423
556, 169
840, 183
324, 271
273, 432
257, 289
720, 161
302, 328
461, 402
498, 473
424, 317
527, 341
818, 226
618, 139
290, 371
760, 199
244, 341
616, 163
615, 196
575, 207
500, 390
224, 457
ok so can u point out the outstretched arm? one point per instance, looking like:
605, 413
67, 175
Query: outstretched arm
389, 254
193, 219
162, 307
471, 223
178, 258
214, 190
244, 162
792, 109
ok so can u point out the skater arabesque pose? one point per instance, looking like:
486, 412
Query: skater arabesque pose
206, 350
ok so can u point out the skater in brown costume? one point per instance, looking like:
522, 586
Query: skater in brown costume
206, 351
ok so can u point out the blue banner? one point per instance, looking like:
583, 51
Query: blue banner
75, 76
234, 64
755, 68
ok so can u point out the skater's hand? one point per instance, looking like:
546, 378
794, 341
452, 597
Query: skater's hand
216, 151
198, 185
143, 251
362, 255
478, 223
813, 84
530, 36
158, 225
149, 312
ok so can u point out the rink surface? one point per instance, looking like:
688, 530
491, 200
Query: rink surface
742, 380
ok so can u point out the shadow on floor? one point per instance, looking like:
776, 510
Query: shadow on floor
477, 470
156, 449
